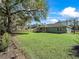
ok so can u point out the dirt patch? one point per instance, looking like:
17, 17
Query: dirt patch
12, 53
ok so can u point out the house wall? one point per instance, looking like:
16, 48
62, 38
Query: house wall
56, 29
68, 30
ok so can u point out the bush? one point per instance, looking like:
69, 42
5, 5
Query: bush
4, 42
37, 30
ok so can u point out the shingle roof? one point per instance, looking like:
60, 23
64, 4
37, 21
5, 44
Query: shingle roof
55, 25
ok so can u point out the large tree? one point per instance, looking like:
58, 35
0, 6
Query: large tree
23, 9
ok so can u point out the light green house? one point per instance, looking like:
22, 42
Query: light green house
56, 28
66, 26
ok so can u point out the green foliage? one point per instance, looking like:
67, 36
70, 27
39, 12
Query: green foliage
23, 9
37, 18
4, 42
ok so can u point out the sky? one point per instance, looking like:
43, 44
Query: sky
61, 10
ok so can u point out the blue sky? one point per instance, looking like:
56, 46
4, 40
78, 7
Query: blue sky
58, 5
61, 9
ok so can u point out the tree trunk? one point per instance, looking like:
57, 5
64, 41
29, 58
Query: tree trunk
8, 19
8, 25
74, 26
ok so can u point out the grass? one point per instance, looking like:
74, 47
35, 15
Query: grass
47, 45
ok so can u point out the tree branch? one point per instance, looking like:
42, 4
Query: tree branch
23, 11
2, 8
16, 3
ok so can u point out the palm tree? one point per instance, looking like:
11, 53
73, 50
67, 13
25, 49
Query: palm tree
22, 9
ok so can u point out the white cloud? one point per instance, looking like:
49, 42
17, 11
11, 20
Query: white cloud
70, 11
50, 20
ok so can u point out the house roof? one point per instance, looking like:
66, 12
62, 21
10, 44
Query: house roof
55, 25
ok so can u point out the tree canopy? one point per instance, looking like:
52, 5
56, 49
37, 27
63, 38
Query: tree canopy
23, 9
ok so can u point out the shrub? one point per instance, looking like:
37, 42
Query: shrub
4, 42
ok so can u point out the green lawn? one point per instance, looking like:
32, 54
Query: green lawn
47, 45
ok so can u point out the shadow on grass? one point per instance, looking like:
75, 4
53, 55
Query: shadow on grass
56, 33
19, 33
74, 51
51, 32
